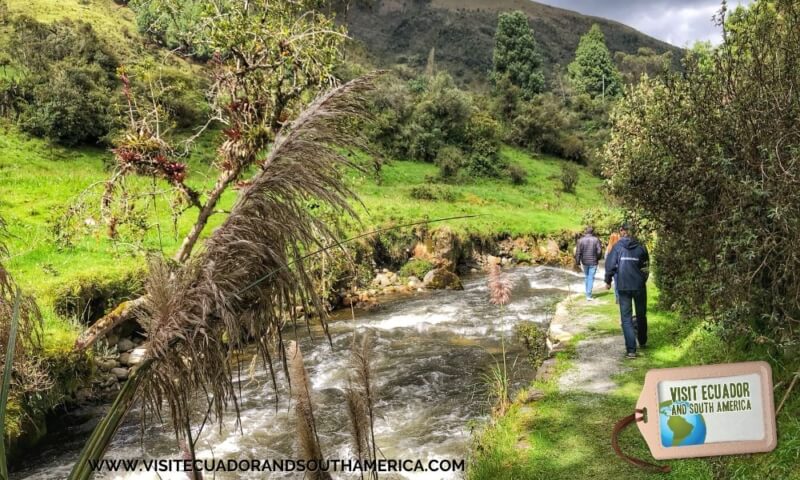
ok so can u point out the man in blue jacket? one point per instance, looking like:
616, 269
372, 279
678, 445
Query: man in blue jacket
628, 264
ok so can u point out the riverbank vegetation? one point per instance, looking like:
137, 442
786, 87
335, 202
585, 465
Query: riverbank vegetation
550, 433
705, 160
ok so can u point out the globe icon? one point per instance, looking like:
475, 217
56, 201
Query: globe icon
680, 430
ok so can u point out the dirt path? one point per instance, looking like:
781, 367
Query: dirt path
598, 356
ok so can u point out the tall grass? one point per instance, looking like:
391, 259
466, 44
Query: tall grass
7, 370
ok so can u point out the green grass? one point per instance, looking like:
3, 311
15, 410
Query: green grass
116, 23
538, 207
567, 435
40, 181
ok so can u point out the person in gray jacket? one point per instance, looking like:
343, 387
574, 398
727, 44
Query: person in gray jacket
587, 255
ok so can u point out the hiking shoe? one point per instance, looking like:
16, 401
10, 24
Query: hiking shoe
630, 355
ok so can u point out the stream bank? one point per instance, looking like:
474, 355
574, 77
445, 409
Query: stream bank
383, 275
432, 350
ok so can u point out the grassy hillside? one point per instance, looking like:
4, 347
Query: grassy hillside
39, 182
462, 32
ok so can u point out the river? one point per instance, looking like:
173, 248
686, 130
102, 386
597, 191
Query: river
431, 351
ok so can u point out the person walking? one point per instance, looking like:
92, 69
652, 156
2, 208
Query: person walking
587, 254
628, 265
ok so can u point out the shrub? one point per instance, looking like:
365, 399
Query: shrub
569, 177
519, 176
70, 106
522, 256
534, 338
449, 160
415, 268
89, 296
571, 147
430, 192
716, 173
65, 91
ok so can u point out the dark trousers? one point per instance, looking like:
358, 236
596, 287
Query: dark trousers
627, 300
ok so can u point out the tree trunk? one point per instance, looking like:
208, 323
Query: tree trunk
206, 211
122, 313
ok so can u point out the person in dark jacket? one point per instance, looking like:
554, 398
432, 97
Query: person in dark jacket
628, 265
587, 254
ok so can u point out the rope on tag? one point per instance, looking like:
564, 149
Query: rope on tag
621, 424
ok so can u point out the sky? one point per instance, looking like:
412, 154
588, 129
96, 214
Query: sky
679, 22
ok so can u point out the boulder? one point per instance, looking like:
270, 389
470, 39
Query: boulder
442, 279
120, 373
125, 345
492, 260
446, 248
125, 358
136, 356
105, 364
414, 282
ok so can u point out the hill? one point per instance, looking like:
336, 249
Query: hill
462, 33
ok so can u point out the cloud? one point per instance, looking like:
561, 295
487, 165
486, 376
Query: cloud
679, 22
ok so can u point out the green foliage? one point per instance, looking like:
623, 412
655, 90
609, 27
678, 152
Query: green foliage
416, 268
36, 46
569, 177
534, 337
707, 158
521, 256
432, 120
593, 70
545, 124
70, 105
519, 176
450, 159
174, 24
66, 80
88, 297
646, 61
433, 192
516, 54
439, 118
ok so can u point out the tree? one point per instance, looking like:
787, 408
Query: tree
593, 70
269, 59
644, 62
516, 54
708, 158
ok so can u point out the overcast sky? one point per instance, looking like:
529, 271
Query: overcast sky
679, 22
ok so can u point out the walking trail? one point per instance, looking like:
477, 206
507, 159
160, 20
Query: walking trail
598, 355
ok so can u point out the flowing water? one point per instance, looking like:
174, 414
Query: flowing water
431, 352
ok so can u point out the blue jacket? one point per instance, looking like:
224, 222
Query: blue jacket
629, 264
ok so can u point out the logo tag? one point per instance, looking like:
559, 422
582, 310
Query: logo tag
709, 410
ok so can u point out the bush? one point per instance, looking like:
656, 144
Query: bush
519, 176
569, 177
430, 119
534, 338
571, 147
415, 268
429, 192
70, 106
716, 174
65, 93
88, 297
449, 160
